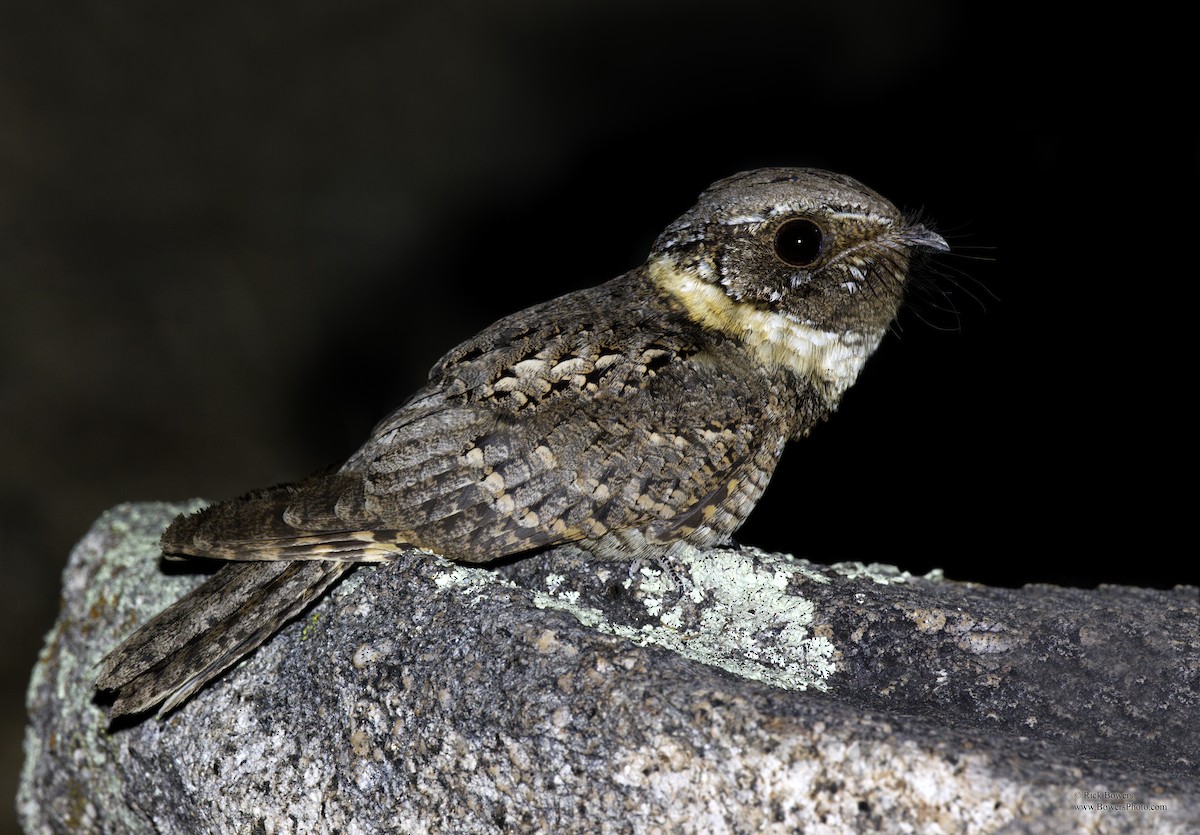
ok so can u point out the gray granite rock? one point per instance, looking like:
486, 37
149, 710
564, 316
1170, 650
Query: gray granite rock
555, 694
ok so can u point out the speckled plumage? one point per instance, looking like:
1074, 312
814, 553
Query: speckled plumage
627, 417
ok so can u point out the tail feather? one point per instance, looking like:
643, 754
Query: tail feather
201, 635
290, 522
285, 546
340, 546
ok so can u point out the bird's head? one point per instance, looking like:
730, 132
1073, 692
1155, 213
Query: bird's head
806, 267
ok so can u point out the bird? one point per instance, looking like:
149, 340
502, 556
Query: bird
631, 418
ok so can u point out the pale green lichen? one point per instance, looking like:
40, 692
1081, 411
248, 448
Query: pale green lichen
750, 625
456, 576
875, 572
800, 568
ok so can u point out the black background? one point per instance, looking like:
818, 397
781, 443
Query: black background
234, 236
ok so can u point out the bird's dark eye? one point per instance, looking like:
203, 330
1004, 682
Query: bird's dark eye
798, 242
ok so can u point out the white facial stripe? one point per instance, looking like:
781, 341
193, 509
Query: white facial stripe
870, 217
834, 359
742, 220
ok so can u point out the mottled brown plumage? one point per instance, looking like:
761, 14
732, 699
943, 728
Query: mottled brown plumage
627, 417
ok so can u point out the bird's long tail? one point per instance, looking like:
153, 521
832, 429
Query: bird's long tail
199, 636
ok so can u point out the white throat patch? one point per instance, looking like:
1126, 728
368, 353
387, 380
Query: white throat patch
775, 339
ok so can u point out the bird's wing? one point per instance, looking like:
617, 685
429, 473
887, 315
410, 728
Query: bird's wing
661, 456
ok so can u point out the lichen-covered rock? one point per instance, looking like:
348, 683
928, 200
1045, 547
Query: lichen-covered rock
555, 694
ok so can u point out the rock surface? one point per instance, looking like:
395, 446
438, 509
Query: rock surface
553, 694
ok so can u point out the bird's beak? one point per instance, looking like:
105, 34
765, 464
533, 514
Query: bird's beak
924, 238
